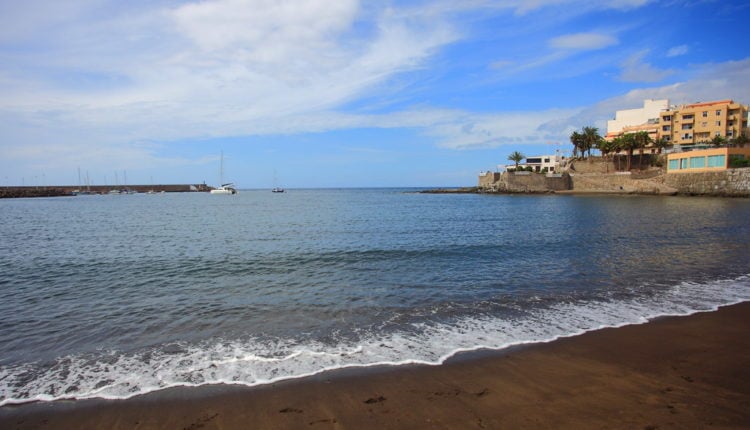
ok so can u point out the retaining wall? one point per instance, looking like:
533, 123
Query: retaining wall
731, 182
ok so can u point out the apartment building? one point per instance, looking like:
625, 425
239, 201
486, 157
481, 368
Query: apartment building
639, 119
700, 122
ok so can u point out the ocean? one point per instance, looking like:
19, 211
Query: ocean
116, 296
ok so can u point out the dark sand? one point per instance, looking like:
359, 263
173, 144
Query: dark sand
674, 373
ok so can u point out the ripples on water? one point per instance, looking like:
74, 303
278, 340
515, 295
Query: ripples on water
191, 288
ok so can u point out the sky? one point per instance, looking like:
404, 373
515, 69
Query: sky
339, 93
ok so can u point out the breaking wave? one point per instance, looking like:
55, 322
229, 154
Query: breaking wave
254, 361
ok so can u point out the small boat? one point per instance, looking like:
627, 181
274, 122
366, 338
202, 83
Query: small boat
225, 189
276, 188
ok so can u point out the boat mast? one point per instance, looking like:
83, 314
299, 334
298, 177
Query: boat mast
221, 169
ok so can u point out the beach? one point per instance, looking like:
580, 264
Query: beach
673, 372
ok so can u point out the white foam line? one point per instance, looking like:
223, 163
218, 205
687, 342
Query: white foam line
677, 299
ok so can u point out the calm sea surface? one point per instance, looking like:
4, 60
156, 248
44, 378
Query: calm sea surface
114, 296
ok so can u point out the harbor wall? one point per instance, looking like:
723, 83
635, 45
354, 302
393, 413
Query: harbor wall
524, 182
730, 182
68, 190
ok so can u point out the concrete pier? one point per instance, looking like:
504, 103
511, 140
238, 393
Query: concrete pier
70, 190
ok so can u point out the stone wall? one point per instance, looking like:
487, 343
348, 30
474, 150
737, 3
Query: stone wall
488, 180
620, 183
523, 182
732, 182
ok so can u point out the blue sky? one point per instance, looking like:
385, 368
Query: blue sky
339, 93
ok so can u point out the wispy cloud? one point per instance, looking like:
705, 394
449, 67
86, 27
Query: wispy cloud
709, 82
583, 41
131, 83
677, 51
205, 69
492, 130
634, 69
526, 6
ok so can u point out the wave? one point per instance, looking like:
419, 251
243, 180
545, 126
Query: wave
254, 361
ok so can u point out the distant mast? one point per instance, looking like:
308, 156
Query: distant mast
221, 169
223, 188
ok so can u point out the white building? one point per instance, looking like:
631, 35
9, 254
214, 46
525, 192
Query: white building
539, 163
636, 117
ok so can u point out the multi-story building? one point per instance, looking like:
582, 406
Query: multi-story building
640, 119
701, 122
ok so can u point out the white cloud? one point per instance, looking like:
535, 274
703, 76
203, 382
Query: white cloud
467, 130
525, 6
212, 68
677, 51
709, 82
634, 69
583, 41
265, 30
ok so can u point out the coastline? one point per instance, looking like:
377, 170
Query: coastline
672, 372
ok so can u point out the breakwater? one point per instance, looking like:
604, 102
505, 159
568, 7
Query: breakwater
70, 190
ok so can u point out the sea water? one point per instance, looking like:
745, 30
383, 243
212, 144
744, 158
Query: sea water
115, 296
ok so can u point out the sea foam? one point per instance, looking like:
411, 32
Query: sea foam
114, 375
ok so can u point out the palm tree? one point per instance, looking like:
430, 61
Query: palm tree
591, 138
660, 144
642, 139
577, 140
628, 143
516, 157
605, 147
615, 146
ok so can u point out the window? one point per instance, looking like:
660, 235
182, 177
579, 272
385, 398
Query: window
718, 133
687, 116
673, 164
718, 112
704, 124
718, 123
705, 113
687, 126
717, 161
683, 163
666, 128
697, 162
666, 118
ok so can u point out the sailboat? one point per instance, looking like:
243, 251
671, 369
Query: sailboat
227, 188
276, 188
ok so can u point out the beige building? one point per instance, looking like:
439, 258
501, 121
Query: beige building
707, 160
701, 122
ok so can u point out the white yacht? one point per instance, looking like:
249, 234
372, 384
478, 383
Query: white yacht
224, 188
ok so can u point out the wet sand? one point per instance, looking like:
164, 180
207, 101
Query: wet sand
673, 373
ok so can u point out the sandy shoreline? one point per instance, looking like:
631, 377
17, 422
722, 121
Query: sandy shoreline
676, 372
